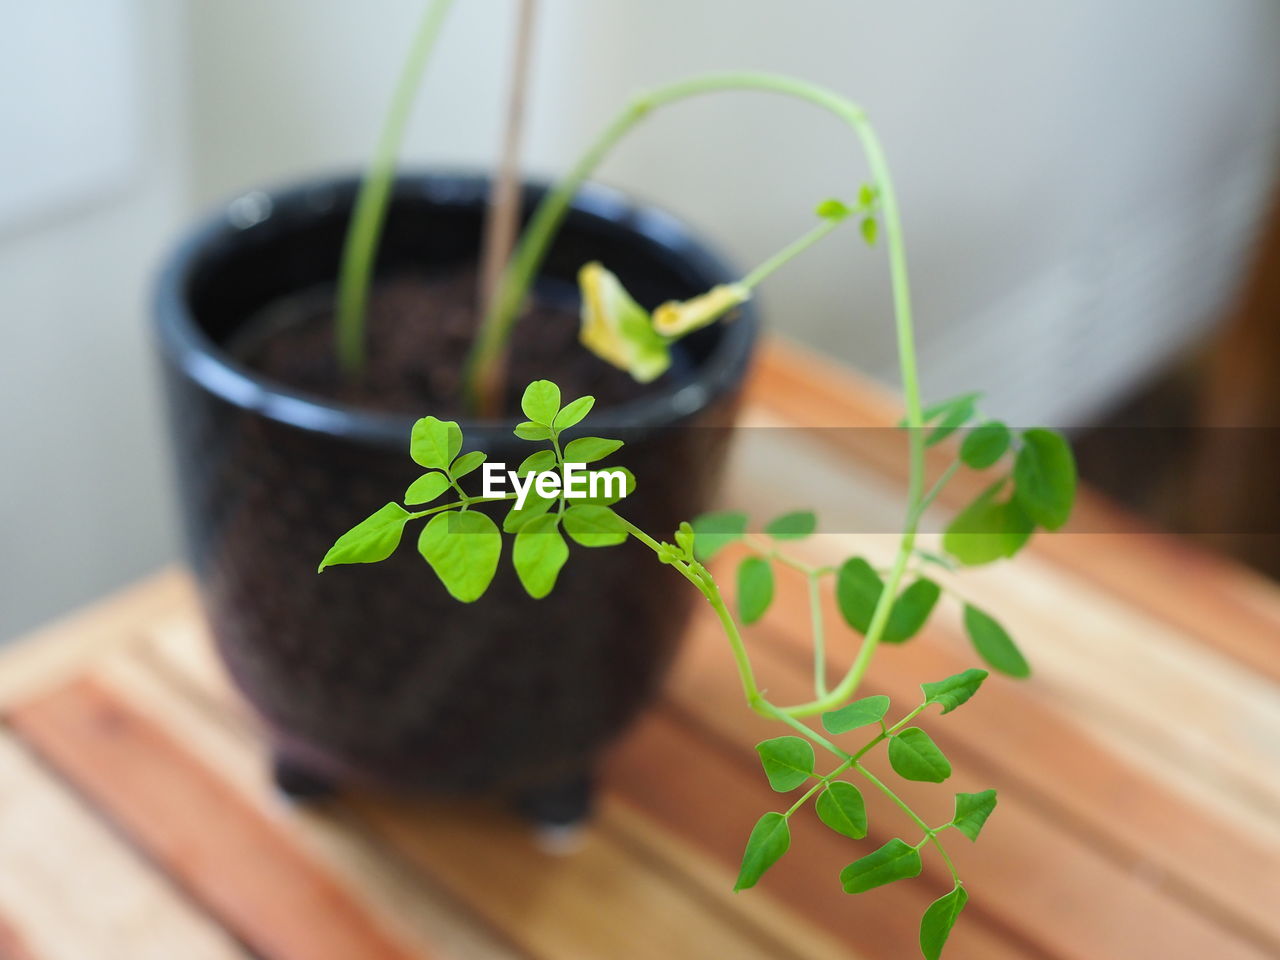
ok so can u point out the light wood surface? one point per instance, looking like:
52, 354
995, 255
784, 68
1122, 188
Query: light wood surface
1138, 770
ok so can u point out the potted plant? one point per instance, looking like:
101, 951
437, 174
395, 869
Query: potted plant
518, 666
289, 400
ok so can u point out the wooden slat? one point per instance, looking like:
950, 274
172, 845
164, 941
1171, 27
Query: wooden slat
1027, 864
1083, 794
1120, 672
212, 722
1222, 604
231, 858
599, 902
71, 890
61, 649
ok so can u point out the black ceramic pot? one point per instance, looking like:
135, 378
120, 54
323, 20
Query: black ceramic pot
372, 673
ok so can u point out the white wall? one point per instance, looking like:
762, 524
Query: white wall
84, 484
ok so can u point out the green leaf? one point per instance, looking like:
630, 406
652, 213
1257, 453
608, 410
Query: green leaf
860, 713
372, 539
594, 526
713, 532
985, 445
573, 413
946, 407
541, 402
770, 839
603, 500
911, 611
896, 860
955, 690
463, 548
841, 808
467, 463
684, 540
972, 810
538, 554
755, 588
426, 488
534, 507
792, 526
434, 443
870, 229
994, 644
833, 209
590, 449
938, 920
1044, 478
988, 530
858, 589
867, 194
539, 462
787, 762
532, 431
952, 419
914, 756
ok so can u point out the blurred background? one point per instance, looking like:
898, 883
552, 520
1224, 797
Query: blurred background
1085, 190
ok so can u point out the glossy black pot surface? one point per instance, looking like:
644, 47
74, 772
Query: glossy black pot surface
373, 673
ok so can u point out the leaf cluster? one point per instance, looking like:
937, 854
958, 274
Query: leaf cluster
463, 545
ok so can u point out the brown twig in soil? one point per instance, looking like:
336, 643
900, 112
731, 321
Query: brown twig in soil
504, 199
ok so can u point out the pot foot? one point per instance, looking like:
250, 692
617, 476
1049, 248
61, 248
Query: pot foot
299, 784
558, 806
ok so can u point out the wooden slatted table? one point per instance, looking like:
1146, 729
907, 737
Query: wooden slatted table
1139, 772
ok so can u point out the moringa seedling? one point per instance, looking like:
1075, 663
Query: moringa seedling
464, 547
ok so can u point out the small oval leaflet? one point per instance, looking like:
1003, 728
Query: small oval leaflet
935, 926
541, 402
426, 488
985, 445
434, 443
842, 808
594, 526
955, 690
896, 860
769, 840
538, 555
755, 588
787, 762
860, 713
994, 644
463, 548
914, 756
371, 540
1044, 478
972, 811
713, 532
792, 526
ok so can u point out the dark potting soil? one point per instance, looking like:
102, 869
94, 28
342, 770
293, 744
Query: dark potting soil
418, 331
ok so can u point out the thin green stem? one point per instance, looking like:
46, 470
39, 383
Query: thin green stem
788, 253
930, 834
361, 245
822, 783
767, 709
934, 491
460, 504
486, 354
696, 574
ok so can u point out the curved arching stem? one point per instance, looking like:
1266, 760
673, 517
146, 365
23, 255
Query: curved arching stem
486, 355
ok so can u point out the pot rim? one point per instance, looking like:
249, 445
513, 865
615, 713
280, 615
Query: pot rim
200, 358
